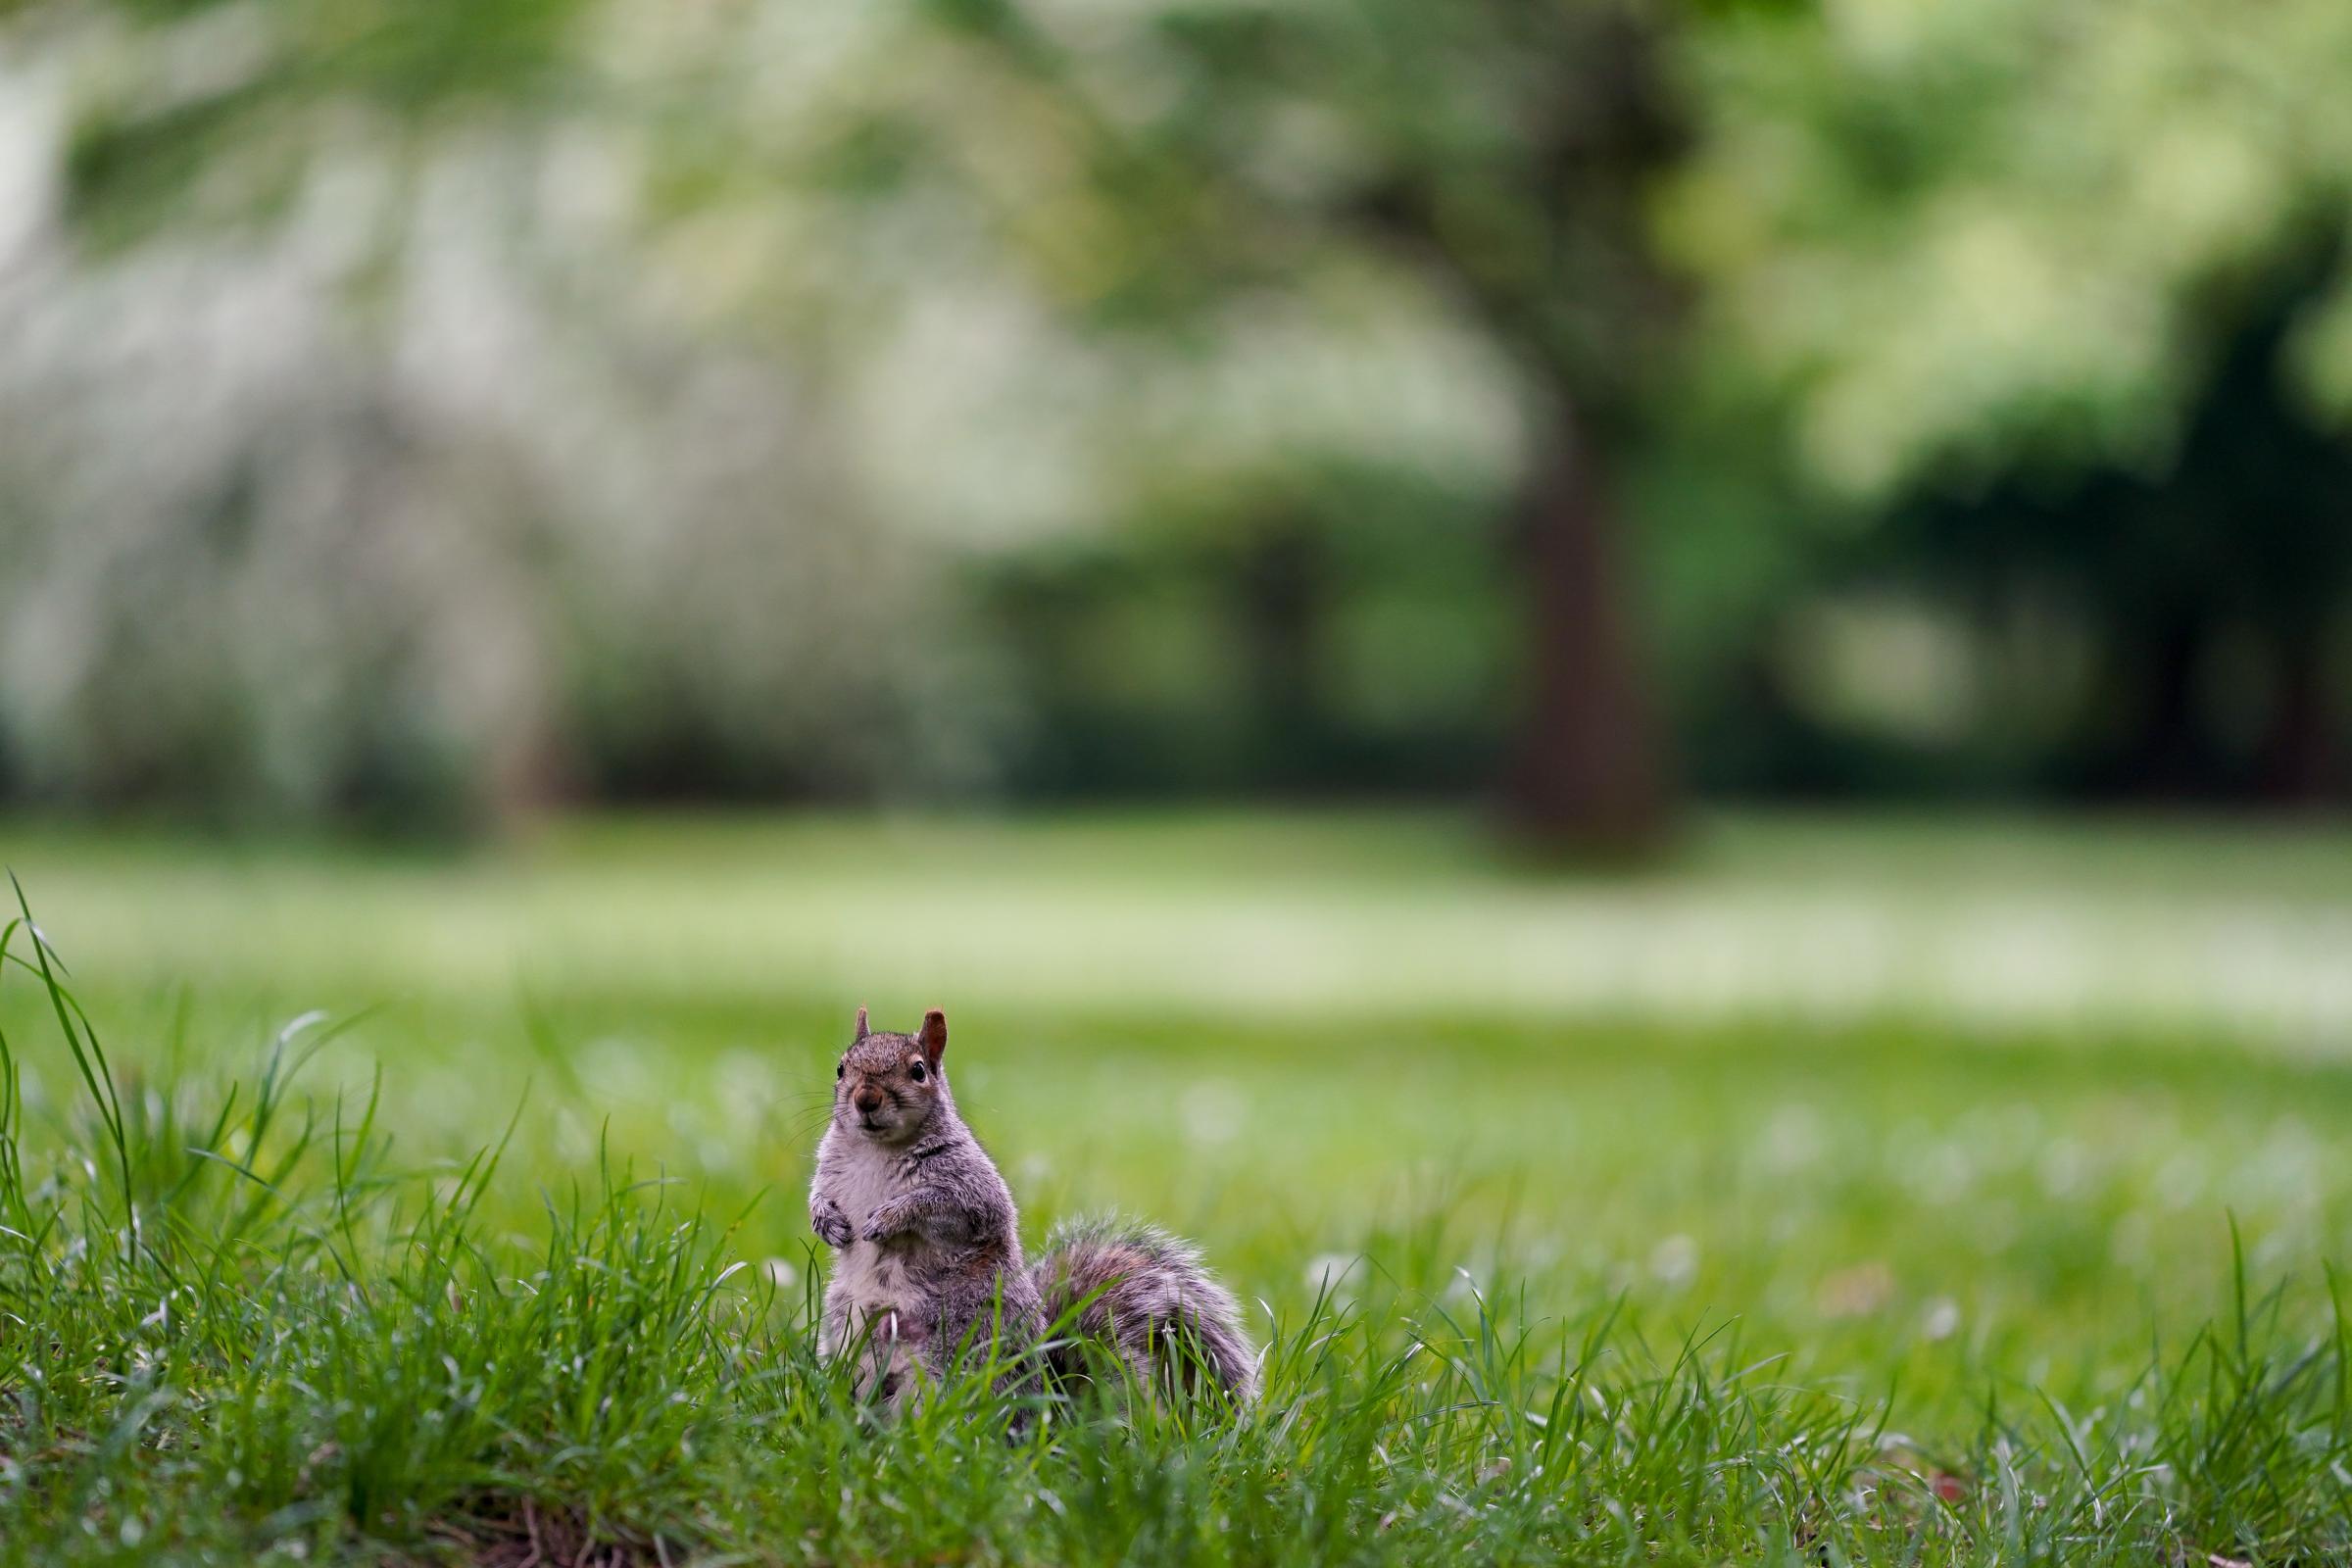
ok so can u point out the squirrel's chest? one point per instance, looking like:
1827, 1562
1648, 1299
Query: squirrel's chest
861, 1182
867, 1273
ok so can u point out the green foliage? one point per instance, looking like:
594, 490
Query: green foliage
1963, 236
261, 88
2046, 300
1990, 437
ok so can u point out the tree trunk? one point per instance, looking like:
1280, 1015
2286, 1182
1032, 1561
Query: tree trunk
1588, 777
2299, 760
1281, 580
2165, 757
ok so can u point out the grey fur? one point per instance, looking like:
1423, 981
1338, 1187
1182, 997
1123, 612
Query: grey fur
1143, 1295
930, 1250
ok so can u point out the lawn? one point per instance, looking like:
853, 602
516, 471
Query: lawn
1843, 1192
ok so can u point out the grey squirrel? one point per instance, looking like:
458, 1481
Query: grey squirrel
930, 1249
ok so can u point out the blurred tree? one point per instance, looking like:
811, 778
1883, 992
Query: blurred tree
2210, 589
2061, 291
2049, 302
355, 464
1148, 203
1177, 157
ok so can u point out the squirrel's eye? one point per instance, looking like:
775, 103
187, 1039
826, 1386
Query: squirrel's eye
918, 1071
842, 1072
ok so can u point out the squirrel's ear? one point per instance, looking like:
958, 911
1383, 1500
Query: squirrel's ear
862, 1029
934, 1038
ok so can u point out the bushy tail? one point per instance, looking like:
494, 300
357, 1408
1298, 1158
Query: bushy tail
1143, 1296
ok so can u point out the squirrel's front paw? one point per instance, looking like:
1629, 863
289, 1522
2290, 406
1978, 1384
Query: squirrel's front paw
831, 1224
885, 1221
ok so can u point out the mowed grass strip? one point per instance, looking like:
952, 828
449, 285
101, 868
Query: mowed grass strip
1999, 924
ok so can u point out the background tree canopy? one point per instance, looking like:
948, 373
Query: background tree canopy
413, 409
2055, 303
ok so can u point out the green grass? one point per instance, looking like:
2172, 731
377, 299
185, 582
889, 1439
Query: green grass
1879, 1193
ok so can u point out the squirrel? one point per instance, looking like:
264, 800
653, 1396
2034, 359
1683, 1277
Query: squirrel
929, 1250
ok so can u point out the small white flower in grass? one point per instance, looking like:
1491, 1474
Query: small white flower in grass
1792, 1138
2065, 1166
1942, 1171
2182, 1180
1213, 1111
2131, 1240
1942, 1319
1674, 1261
780, 1273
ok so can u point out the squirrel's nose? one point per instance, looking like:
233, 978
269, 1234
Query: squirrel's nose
869, 1097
